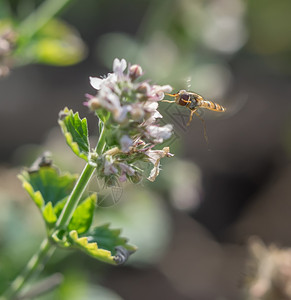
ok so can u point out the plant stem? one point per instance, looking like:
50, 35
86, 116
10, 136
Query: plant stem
43, 14
33, 267
75, 197
101, 142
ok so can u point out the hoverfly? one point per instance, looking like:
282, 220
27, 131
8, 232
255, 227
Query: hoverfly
193, 102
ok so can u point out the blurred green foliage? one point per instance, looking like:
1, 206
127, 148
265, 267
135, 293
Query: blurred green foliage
38, 37
57, 43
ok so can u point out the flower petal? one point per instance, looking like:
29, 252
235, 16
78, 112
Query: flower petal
155, 157
119, 66
160, 133
96, 82
125, 143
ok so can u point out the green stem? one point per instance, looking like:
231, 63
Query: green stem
101, 142
75, 196
33, 267
41, 16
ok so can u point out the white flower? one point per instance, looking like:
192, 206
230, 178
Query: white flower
158, 92
154, 157
109, 100
151, 106
127, 169
152, 119
98, 83
111, 79
121, 114
119, 66
160, 133
137, 111
109, 167
125, 143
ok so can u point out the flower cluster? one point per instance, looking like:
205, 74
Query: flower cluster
128, 111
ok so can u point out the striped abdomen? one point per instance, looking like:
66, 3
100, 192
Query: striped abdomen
211, 105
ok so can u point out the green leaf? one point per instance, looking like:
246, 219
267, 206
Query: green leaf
47, 188
49, 214
107, 238
47, 185
75, 131
83, 215
103, 244
91, 248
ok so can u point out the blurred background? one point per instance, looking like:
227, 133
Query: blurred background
193, 224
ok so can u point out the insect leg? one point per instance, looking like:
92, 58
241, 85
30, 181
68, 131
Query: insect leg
171, 95
186, 101
168, 101
204, 126
191, 116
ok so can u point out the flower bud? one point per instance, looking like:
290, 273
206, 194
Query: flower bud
137, 113
135, 71
143, 88
94, 104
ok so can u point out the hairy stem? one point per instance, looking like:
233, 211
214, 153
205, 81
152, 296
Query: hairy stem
75, 196
101, 142
33, 267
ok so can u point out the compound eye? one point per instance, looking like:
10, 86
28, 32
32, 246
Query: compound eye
185, 97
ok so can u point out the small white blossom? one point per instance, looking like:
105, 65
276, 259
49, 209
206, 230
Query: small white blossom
144, 88
158, 92
125, 143
127, 169
97, 83
109, 167
155, 157
151, 106
137, 111
160, 133
120, 115
109, 100
119, 66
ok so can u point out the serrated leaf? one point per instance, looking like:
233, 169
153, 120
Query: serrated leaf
47, 188
75, 131
49, 214
83, 215
91, 248
108, 238
47, 182
104, 244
